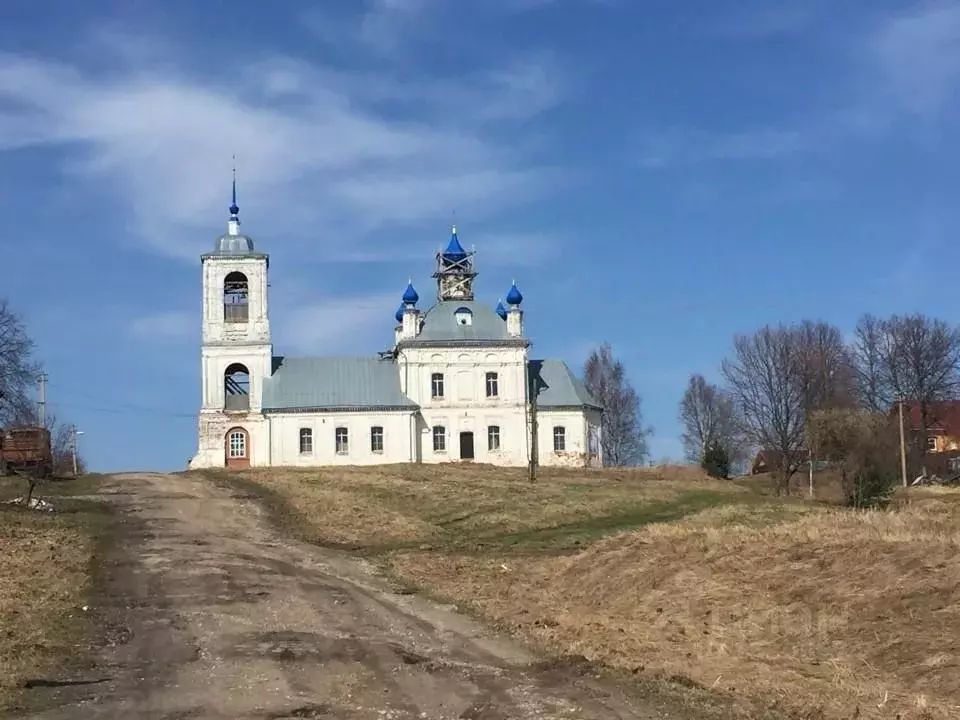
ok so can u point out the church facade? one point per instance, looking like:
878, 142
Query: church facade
457, 384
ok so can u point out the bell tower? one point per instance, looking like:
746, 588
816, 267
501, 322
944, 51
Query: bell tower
455, 271
236, 351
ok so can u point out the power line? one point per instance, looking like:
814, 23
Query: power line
127, 410
117, 408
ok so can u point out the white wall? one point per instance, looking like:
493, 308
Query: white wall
464, 371
257, 330
513, 435
398, 437
465, 406
575, 447
234, 342
594, 420
216, 359
227, 343
212, 430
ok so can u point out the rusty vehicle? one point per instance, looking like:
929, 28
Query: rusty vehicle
26, 451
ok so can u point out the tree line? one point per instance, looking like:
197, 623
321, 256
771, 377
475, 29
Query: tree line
800, 392
19, 373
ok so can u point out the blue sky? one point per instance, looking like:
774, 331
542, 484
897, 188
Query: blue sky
657, 174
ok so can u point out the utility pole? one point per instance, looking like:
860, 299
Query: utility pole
73, 432
76, 461
903, 445
42, 403
534, 432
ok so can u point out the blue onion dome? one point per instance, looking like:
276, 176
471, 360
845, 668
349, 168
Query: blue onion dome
501, 310
410, 296
454, 251
399, 313
514, 297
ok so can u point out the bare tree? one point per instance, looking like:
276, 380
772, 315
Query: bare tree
869, 352
863, 444
827, 374
777, 377
624, 439
18, 371
62, 439
912, 357
18, 375
708, 416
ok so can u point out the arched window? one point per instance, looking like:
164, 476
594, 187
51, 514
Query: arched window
463, 316
236, 295
237, 443
237, 447
236, 387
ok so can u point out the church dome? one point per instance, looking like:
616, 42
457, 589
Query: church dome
501, 310
398, 315
410, 296
514, 297
233, 244
454, 251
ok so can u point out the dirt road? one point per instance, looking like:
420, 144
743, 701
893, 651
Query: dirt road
208, 612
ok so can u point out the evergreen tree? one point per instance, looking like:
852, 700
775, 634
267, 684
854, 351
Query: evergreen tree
716, 460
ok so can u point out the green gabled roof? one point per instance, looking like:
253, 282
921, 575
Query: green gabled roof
334, 383
558, 386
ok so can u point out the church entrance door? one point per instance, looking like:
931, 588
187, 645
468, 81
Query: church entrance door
466, 446
237, 448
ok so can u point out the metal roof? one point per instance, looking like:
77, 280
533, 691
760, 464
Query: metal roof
440, 325
231, 244
328, 383
559, 387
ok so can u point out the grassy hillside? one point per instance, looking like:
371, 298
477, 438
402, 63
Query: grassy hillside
46, 566
815, 610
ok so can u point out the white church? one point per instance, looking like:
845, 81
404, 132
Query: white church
457, 385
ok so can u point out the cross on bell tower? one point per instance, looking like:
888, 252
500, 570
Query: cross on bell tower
455, 271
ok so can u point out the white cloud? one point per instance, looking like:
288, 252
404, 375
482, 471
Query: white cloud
318, 148
917, 55
329, 325
165, 326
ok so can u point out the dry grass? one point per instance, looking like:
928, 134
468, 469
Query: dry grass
45, 566
390, 507
824, 611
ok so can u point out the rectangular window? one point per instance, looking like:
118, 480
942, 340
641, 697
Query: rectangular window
559, 438
493, 437
493, 385
306, 441
343, 441
376, 439
439, 438
436, 385
932, 443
